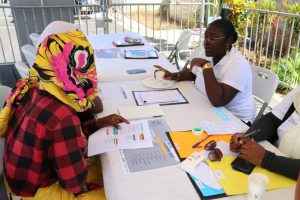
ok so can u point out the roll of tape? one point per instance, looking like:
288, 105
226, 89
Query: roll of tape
197, 131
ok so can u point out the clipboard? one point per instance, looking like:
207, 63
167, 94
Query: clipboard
183, 152
141, 54
141, 102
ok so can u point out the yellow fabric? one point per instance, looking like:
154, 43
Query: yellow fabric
235, 182
184, 140
55, 192
64, 67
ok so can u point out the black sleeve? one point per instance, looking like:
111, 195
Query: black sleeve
268, 125
282, 165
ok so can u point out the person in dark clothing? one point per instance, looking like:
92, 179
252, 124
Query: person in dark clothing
281, 127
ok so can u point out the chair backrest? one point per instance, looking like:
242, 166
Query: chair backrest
4, 90
3, 94
22, 69
195, 53
181, 45
34, 37
29, 52
183, 40
264, 84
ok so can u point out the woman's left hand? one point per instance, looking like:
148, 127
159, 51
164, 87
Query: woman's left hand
252, 152
111, 120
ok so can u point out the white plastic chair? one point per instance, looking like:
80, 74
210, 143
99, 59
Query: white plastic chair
181, 45
264, 84
22, 69
34, 37
29, 52
195, 53
3, 94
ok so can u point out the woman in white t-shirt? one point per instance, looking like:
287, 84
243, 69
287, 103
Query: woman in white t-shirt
221, 72
281, 127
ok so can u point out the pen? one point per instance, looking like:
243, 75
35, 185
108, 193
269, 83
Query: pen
202, 140
248, 134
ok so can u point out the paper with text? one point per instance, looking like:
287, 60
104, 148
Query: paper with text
222, 127
130, 136
171, 96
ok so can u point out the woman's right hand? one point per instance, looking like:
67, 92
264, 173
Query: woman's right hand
167, 75
111, 120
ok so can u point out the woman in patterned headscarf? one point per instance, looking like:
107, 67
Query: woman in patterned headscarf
45, 140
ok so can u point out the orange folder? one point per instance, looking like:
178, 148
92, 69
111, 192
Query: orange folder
185, 140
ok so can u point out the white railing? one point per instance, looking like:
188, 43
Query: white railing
272, 40
160, 24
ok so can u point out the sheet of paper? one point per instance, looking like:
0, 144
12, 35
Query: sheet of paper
141, 112
206, 181
222, 127
130, 136
113, 93
109, 53
191, 162
161, 155
171, 96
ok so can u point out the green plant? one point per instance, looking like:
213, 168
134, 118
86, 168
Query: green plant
295, 9
288, 69
268, 5
238, 14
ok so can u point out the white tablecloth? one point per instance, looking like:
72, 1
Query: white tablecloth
171, 182
114, 69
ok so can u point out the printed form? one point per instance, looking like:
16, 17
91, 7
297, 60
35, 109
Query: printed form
130, 136
170, 96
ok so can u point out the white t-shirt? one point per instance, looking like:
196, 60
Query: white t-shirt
233, 70
281, 109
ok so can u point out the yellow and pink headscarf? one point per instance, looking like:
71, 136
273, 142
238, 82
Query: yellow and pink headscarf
64, 67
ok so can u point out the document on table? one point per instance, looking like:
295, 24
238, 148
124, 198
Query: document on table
130, 136
162, 97
222, 127
113, 92
141, 112
108, 53
161, 155
205, 181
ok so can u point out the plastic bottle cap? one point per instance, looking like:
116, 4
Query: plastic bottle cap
197, 131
